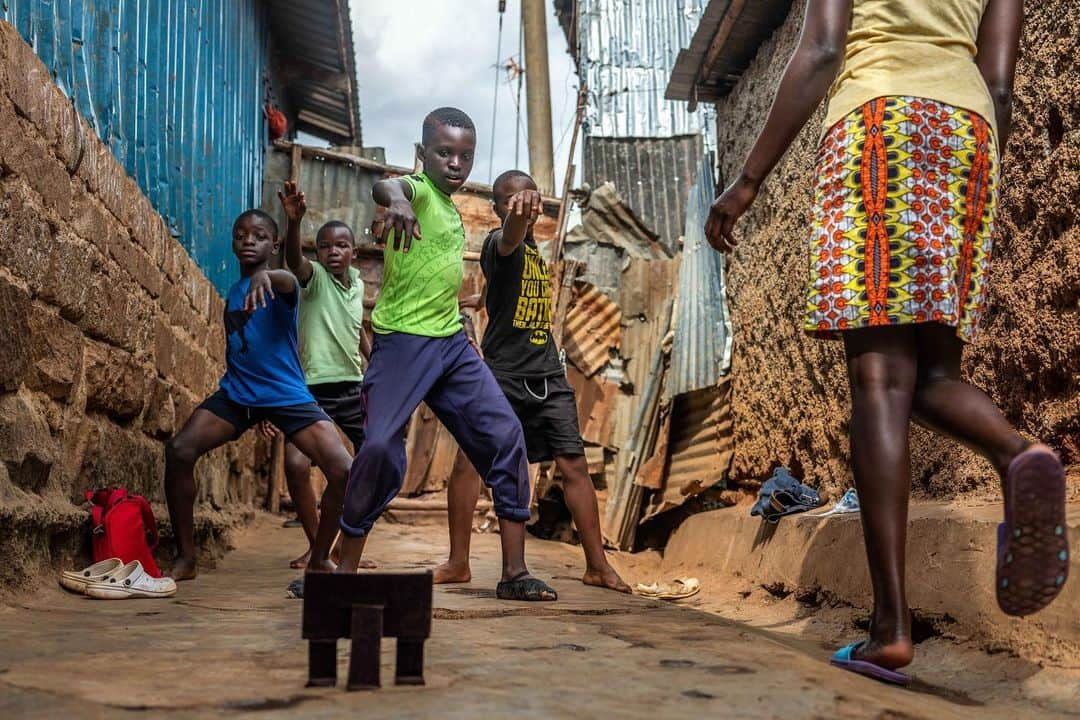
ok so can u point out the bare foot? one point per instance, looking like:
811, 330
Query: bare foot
606, 578
448, 573
321, 566
893, 655
183, 569
301, 562
367, 565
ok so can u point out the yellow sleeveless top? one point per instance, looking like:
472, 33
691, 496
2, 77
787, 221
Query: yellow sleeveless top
921, 48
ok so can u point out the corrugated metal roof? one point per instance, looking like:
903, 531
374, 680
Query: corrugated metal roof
701, 354
314, 44
175, 89
625, 50
726, 40
652, 175
592, 329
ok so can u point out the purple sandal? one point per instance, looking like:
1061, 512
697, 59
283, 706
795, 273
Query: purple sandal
843, 659
1033, 547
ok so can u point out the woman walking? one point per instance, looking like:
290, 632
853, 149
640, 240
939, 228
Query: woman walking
919, 102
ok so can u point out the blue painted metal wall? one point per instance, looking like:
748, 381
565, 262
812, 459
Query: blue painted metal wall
175, 88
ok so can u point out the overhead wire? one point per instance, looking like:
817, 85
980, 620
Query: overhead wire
495, 94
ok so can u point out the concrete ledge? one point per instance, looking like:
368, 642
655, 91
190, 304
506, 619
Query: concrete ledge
418, 511
951, 554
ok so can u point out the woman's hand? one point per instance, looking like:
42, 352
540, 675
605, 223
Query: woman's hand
726, 210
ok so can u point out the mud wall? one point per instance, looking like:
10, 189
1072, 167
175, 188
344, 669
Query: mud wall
790, 395
109, 333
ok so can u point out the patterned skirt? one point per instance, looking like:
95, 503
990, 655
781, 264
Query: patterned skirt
903, 217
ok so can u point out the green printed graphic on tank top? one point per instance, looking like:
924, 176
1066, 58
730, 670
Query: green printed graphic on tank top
419, 294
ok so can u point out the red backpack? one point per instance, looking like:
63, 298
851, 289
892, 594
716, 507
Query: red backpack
123, 527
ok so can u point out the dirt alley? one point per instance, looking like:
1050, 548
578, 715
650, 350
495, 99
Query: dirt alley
229, 645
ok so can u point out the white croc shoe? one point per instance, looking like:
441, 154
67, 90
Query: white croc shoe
131, 581
77, 580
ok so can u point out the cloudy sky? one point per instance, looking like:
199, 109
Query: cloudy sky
416, 55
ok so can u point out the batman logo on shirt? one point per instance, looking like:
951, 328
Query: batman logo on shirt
235, 320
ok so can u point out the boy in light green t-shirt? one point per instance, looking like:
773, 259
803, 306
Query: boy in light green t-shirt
332, 340
421, 354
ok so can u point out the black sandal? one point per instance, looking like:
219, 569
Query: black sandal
526, 588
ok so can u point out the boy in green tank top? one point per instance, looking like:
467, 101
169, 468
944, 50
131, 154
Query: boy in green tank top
421, 354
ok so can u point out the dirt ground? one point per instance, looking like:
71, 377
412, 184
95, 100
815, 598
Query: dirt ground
229, 645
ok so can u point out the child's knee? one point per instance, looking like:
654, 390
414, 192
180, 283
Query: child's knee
297, 465
180, 451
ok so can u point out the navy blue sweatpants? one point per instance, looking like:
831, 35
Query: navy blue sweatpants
448, 375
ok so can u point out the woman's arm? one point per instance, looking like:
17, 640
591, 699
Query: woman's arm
999, 44
806, 81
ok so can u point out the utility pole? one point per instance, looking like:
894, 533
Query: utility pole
538, 95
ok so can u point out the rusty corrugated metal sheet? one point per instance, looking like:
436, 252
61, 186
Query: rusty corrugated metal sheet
596, 404
701, 354
644, 287
700, 446
609, 233
592, 329
653, 176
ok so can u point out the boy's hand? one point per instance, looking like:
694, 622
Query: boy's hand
470, 334
527, 204
294, 203
259, 293
400, 220
267, 429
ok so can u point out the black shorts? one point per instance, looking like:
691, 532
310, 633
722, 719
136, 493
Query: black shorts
290, 419
548, 414
344, 403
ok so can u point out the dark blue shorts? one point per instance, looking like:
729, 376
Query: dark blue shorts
289, 420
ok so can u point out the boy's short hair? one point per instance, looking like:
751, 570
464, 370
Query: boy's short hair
445, 116
333, 225
256, 212
507, 177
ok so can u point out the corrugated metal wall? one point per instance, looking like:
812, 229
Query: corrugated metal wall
701, 353
653, 176
175, 88
626, 51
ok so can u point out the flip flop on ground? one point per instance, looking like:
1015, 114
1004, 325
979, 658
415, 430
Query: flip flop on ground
1033, 547
842, 659
131, 581
525, 587
679, 589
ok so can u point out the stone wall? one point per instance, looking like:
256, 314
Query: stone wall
790, 394
109, 333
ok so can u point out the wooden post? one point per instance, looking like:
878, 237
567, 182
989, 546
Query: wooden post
322, 663
364, 655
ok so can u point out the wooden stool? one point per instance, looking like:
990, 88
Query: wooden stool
366, 608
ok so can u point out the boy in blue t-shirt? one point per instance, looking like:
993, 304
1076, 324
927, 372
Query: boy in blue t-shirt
263, 381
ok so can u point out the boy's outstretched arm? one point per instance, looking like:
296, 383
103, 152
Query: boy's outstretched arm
525, 208
395, 195
264, 284
295, 205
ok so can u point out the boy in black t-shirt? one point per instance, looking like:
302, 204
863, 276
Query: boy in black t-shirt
521, 353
